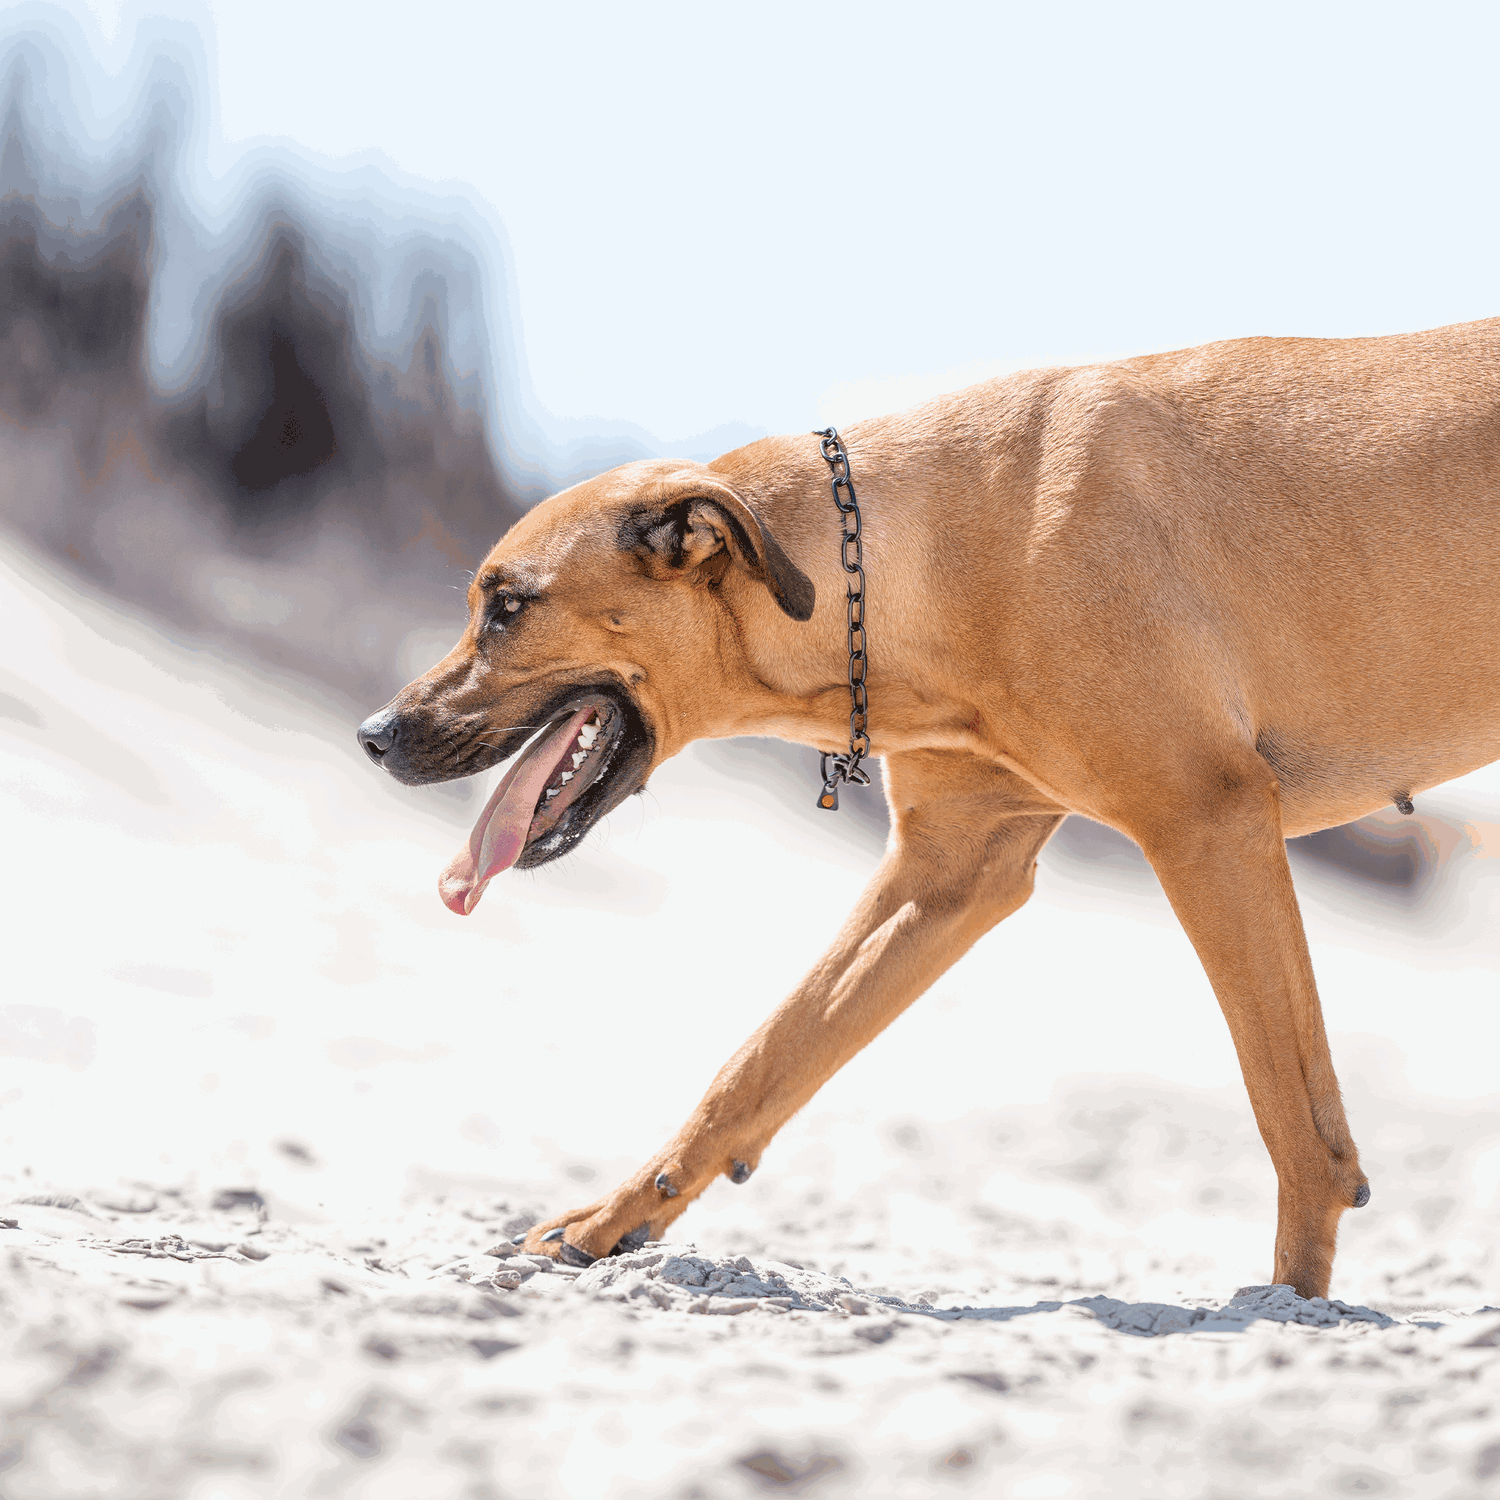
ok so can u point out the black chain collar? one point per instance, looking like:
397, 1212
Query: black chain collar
846, 767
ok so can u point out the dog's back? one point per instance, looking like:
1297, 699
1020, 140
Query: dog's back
1314, 522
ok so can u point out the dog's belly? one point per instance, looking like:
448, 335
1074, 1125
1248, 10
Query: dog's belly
1324, 785
1372, 672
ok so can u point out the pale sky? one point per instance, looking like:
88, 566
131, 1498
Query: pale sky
784, 213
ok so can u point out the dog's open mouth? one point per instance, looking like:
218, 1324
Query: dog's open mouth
546, 790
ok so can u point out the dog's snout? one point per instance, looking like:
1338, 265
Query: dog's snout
377, 734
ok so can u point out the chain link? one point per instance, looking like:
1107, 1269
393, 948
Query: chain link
846, 766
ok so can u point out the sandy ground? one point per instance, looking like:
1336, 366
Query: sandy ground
265, 1104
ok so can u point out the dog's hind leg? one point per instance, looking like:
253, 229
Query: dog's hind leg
962, 857
1217, 846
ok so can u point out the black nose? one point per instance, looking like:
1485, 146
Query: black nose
377, 734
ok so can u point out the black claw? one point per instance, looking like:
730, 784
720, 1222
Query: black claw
741, 1173
571, 1255
552, 1235
664, 1185
518, 1239
1362, 1195
632, 1241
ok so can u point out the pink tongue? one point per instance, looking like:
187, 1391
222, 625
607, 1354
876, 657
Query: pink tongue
500, 834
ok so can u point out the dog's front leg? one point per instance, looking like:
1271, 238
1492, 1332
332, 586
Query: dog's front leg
963, 856
1220, 854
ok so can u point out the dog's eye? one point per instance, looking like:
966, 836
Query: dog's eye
506, 608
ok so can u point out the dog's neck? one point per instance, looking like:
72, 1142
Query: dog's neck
796, 674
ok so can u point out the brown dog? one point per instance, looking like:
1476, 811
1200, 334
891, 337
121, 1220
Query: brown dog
1212, 599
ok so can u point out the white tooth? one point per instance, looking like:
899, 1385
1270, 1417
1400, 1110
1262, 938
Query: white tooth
588, 735
552, 791
566, 777
579, 758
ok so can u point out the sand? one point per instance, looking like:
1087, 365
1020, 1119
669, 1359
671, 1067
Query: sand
265, 1105
188, 1351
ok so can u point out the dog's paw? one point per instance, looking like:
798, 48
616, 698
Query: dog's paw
638, 1210
552, 1239
585, 1235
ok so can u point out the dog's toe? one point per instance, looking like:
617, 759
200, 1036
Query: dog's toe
571, 1255
632, 1241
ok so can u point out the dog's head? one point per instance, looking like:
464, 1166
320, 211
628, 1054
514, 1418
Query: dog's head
599, 632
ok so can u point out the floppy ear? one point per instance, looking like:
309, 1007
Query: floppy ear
694, 518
